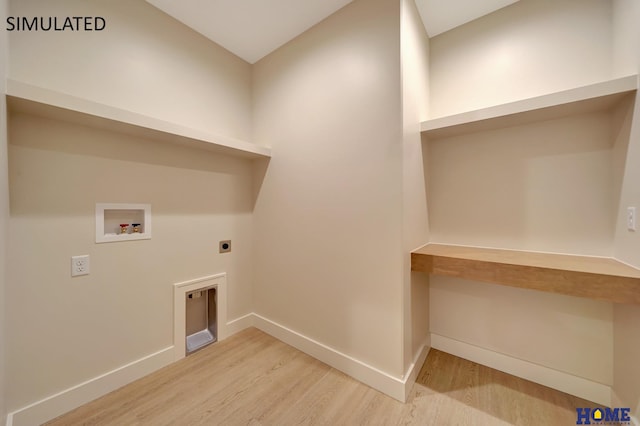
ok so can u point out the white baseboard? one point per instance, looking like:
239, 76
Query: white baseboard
65, 401
377, 379
564, 382
415, 367
239, 324
62, 402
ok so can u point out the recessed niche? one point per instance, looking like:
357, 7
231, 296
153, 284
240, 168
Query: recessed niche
122, 222
201, 318
199, 313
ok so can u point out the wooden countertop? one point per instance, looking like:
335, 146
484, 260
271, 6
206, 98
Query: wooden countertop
601, 278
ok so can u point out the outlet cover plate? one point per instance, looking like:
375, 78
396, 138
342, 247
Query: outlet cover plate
79, 265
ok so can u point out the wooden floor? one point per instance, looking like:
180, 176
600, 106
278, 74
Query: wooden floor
253, 379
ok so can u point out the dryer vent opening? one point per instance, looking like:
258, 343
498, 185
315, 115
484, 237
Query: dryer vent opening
201, 313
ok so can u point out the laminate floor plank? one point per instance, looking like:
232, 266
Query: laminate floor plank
254, 379
215, 386
278, 386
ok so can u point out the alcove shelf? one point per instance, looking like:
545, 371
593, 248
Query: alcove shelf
22, 97
595, 97
601, 278
111, 216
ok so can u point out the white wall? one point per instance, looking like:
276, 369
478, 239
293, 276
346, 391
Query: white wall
626, 59
328, 219
527, 49
569, 334
415, 99
626, 49
626, 37
65, 331
339, 207
626, 374
144, 61
546, 186
4, 204
626, 243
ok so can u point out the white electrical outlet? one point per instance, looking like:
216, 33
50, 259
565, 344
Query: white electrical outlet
631, 218
79, 265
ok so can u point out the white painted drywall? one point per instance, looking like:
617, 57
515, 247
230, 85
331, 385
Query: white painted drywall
626, 59
626, 37
569, 334
4, 203
627, 243
626, 50
440, 16
530, 48
414, 49
545, 186
250, 29
143, 61
626, 351
328, 220
67, 330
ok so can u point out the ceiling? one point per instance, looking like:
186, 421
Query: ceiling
250, 28
439, 16
254, 28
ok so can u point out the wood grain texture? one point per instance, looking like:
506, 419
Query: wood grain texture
253, 379
585, 276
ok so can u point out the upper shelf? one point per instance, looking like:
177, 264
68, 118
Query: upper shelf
594, 97
48, 103
602, 278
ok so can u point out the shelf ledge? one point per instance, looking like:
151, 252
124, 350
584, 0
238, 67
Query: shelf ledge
594, 97
23, 97
601, 278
